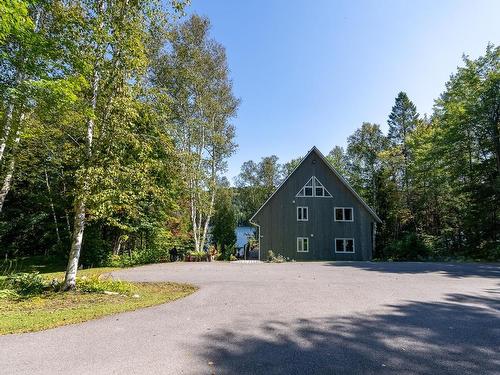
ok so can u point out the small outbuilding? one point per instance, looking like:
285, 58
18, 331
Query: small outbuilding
316, 215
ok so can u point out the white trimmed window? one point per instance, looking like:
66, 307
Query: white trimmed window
302, 244
344, 245
313, 188
344, 214
302, 213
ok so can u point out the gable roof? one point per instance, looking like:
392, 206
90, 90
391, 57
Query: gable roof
340, 177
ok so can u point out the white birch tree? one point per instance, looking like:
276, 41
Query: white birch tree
194, 75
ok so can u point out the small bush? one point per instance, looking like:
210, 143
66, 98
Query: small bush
27, 284
232, 258
95, 284
273, 258
8, 293
409, 247
196, 256
145, 256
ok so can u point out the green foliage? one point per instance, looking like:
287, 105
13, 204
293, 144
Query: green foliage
255, 183
196, 256
8, 294
224, 222
97, 284
409, 247
26, 284
364, 148
338, 159
14, 18
289, 167
136, 257
194, 77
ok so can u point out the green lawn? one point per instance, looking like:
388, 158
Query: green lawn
52, 309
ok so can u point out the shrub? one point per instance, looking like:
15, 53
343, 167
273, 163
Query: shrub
273, 258
196, 256
95, 284
409, 247
232, 258
145, 256
8, 293
27, 284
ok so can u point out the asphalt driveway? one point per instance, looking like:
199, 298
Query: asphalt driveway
294, 318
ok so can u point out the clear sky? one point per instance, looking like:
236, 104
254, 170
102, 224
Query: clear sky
310, 72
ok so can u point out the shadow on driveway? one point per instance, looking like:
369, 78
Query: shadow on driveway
460, 335
449, 269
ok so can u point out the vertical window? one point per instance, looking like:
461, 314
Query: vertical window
344, 245
344, 214
302, 213
313, 188
302, 244
308, 188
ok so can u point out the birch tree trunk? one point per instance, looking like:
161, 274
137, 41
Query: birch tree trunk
211, 205
7, 182
76, 245
6, 131
80, 207
51, 203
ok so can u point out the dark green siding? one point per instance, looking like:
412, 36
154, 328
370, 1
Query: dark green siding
279, 227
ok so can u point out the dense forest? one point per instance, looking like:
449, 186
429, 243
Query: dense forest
116, 127
433, 180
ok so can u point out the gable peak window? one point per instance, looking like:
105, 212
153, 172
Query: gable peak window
302, 213
313, 188
344, 214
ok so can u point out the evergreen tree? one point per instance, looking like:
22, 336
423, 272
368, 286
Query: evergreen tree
402, 121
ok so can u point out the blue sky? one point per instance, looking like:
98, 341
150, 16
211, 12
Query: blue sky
310, 72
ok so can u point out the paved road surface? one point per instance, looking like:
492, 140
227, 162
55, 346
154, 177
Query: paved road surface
294, 318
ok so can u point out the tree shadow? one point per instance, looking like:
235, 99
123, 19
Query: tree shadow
458, 336
449, 269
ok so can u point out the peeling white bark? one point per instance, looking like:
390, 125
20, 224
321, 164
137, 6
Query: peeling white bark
80, 206
6, 130
7, 182
76, 245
